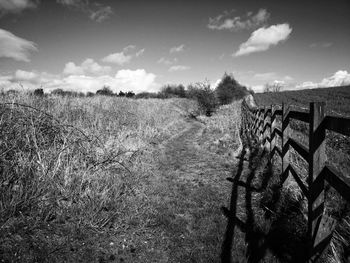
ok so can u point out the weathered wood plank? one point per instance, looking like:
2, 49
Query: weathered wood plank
338, 124
302, 186
338, 181
301, 149
299, 115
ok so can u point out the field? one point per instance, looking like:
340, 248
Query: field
337, 99
108, 179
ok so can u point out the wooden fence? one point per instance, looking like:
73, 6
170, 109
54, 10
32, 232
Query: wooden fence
262, 123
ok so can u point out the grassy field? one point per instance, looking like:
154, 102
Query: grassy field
108, 179
337, 99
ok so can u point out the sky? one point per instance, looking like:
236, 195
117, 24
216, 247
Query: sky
138, 45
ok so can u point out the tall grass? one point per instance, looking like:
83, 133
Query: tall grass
69, 166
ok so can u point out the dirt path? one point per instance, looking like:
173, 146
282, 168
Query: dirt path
187, 194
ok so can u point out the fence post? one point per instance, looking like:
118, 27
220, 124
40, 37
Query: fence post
319, 227
285, 146
272, 127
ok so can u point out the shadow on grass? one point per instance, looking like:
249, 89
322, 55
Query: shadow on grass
278, 235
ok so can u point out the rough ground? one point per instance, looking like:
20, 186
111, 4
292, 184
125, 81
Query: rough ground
184, 219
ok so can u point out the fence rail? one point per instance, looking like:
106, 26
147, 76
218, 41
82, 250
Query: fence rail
262, 123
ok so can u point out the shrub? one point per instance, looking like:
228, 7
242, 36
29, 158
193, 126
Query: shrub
205, 97
39, 92
229, 89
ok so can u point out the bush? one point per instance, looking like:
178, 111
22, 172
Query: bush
39, 92
229, 89
205, 97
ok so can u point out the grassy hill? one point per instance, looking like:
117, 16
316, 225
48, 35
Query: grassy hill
337, 98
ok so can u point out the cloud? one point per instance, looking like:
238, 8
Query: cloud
178, 68
96, 12
165, 61
123, 57
140, 52
177, 49
263, 38
88, 66
101, 14
117, 58
25, 75
124, 80
15, 47
321, 45
226, 21
272, 76
16, 6
339, 78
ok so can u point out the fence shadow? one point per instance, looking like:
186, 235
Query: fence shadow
284, 226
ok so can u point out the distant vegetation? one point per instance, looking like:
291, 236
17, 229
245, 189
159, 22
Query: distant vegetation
208, 98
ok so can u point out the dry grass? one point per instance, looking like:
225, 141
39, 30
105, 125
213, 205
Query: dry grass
70, 167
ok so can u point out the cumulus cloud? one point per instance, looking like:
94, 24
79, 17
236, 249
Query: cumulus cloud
117, 58
339, 78
124, 56
124, 80
177, 49
88, 66
263, 38
16, 6
178, 68
15, 47
25, 75
96, 12
227, 21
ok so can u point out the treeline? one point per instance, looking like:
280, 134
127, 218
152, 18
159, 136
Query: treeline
208, 99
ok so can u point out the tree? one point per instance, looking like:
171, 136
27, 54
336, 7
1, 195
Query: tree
130, 94
204, 95
273, 87
121, 94
105, 91
229, 89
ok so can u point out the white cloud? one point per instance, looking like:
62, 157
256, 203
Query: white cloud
165, 61
16, 6
178, 68
226, 21
15, 47
25, 75
101, 14
177, 49
88, 66
272, 76
140, 52
339, 78
263, 38
117, 58
125, 80
123, 57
